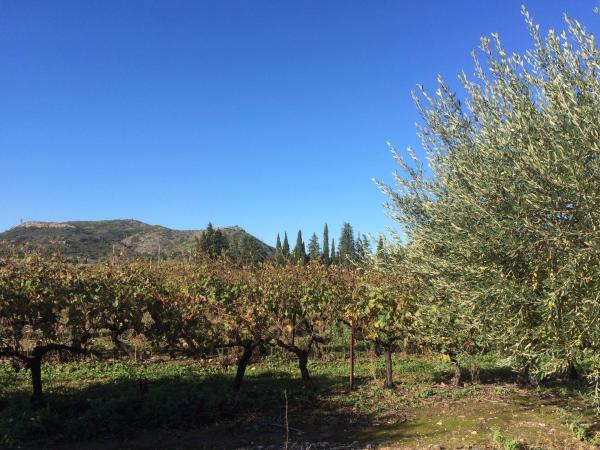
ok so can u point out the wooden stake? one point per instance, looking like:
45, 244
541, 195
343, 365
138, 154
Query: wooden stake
351, 355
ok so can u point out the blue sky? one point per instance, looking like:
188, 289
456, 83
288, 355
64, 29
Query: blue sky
272, 115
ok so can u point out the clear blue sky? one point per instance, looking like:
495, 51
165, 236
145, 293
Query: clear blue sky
272, 115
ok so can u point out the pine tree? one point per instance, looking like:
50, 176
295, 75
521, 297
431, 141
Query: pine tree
326, 258
220, 244
206, 239
346, 248
314, 250
299, 250
286, 246
213, 242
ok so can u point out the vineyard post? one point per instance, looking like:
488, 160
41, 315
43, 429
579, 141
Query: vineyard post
351, 385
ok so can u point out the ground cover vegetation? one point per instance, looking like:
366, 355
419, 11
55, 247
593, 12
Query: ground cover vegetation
481, 327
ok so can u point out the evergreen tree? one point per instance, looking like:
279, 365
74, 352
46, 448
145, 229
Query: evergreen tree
346, 247
333, 257
212, 242
251, 250
314, 250
358, 246
299, 250
279, 258
366, 245
206, 239
326, 245
220, 244
286, 246
362, 246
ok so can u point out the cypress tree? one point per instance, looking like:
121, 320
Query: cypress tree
314, 250
333, 257
279, 258
346, 247
299, 251
286, 246
278, 243
326, 245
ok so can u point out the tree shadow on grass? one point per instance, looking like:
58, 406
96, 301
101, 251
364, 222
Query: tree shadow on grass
488, 375
206, 410
127, 407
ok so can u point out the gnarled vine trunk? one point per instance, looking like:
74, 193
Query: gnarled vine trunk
572, 372
302, 355
457, 376
242, 363
119, 344
526, 378
387, 354
303, 365
35, 367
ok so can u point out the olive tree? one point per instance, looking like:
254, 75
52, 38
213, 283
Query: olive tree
503, 224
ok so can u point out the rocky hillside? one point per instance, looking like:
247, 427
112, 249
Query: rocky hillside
95, 240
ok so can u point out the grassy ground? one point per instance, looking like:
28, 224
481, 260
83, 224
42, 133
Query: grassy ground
183, 404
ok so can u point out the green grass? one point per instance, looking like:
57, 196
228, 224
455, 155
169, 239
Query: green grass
504, 442
95, 399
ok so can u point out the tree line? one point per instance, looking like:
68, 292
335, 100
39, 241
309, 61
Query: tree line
350, 248
244, 249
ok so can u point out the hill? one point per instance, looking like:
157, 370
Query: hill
96, 240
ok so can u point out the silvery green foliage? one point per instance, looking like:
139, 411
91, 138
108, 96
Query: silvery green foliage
505, 224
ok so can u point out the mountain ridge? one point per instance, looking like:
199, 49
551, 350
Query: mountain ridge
95, 240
